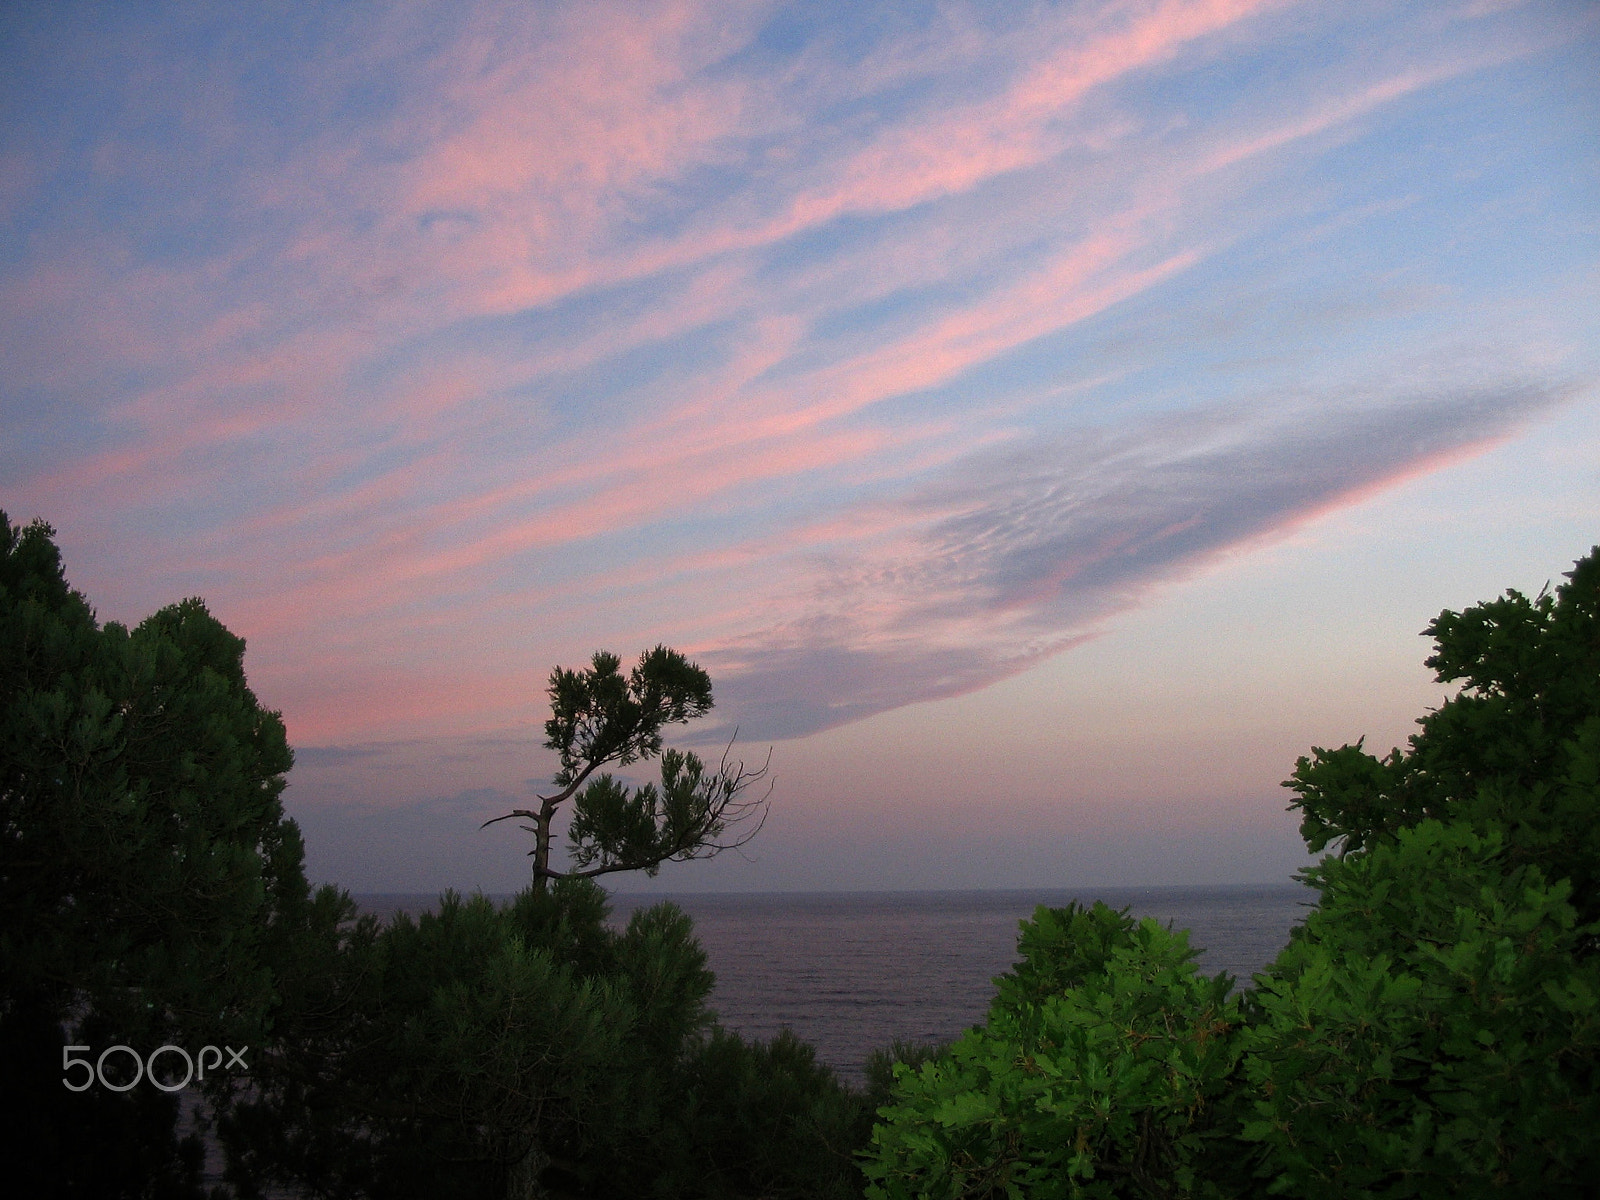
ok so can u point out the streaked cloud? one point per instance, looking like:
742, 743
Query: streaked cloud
875, 352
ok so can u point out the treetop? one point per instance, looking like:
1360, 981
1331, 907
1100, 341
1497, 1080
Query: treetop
600, 716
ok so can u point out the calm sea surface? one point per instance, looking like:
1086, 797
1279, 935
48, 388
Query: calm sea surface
850, 972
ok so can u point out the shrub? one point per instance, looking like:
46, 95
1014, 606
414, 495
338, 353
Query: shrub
1431, 1030
1098, 1073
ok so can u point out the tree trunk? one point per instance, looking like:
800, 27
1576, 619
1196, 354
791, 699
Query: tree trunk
522, 1180
541, 845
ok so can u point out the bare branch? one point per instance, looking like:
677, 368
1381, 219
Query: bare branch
549, 803
515, 812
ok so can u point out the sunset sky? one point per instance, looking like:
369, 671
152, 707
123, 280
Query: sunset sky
1044, 422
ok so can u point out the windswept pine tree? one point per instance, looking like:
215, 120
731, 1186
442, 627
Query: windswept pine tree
599, 716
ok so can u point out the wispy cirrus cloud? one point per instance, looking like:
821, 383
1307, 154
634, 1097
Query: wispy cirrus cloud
434, 318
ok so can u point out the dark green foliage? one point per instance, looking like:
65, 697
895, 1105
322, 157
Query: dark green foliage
1530, 676
149, 882
755, 1120
599, 715
473, 1044
144, 843
1518, 748
621, 828
152, 892
491, 1051
1432, 1030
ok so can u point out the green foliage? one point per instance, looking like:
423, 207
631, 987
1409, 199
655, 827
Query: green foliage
496, 1051
1097, 1074
599, 716
752, 1119
881, 1064
471, 1044
1432, 1029
1517, 748
624, 828
144, 845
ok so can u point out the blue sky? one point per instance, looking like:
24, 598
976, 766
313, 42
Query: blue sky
1044, 421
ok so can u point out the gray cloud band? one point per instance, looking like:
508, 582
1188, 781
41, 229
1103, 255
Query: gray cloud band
1017, 553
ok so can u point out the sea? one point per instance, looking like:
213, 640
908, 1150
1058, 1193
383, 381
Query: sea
851, 972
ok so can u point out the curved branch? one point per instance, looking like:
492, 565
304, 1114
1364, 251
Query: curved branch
515, 812
547, 804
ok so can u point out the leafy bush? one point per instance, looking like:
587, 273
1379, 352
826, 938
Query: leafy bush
758, 1119
1098, 1072
476, 1046
881, 1064
1517, 749
533, 1049
1432, 1029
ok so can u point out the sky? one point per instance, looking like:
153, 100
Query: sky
1045, 422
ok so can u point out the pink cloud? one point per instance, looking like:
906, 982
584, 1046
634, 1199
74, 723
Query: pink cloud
531, 162
645, 469
543, 152
1016, 129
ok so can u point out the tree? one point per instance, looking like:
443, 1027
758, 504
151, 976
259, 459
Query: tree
152, 892
1432, 1030
1516, 750
598, 717
517, 1049
478, 1050
150, 885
